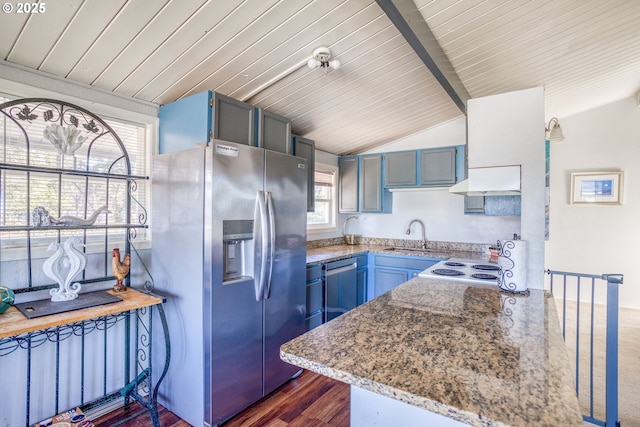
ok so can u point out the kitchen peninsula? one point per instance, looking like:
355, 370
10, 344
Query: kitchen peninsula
430, 349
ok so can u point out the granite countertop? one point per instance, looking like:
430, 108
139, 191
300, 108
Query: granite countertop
338, 252
471, 353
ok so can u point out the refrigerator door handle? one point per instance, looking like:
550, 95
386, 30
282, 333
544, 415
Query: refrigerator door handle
261, 276
272, 242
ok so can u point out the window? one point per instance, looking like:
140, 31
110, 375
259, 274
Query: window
324, 216
67, 194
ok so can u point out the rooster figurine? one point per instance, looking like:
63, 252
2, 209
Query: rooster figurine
120, 269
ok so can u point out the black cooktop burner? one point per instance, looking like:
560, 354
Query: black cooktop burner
454, 264
447, 272
485, 267
484, 276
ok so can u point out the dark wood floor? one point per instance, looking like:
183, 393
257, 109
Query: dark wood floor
310, 400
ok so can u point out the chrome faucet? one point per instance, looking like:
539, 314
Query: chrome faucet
424, 239
344, 225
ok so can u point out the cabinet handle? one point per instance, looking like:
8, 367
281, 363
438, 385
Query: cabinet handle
342, 269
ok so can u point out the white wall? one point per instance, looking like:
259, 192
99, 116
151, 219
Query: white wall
443, 216
598, 239
453, 132
508, 129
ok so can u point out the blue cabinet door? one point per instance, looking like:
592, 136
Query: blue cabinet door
314, 297
438, 166
184, 123
371, 183
274, 132
305, 148
361, 296
400, 168
348, 184
202, 117
314, 321
390, 271
387, 279
233, 120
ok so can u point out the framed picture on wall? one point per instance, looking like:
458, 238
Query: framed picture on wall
596, 187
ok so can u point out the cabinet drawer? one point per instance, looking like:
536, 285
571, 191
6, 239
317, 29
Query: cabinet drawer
314, 321
314, 296
314, 272
413, 263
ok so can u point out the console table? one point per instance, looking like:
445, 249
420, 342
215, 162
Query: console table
19, 333
67, 179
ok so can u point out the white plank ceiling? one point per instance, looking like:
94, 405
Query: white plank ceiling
585, 53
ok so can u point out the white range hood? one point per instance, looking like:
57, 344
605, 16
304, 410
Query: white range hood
490, 181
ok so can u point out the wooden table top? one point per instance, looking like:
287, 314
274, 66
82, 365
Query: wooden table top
14, 323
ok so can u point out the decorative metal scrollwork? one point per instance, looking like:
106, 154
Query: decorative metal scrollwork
59, 333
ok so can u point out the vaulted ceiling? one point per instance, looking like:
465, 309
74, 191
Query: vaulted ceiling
585, 53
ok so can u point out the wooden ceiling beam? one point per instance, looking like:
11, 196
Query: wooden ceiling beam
409, 21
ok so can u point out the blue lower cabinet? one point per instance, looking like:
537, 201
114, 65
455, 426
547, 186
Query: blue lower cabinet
315, 300
362, 279
314, 320
387, 279
315, 296
361, 294
390, 271
334, 288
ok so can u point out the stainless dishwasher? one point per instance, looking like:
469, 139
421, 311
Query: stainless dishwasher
341, 287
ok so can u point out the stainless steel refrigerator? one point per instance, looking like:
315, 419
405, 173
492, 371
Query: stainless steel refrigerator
229, 252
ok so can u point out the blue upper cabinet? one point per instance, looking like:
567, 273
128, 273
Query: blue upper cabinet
306, 148
360, 185
274, 132
400, 168
373, 197
438, 166
348, 170
202, 117
429, 167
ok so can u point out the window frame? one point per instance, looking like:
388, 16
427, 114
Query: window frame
333, 208
15, 248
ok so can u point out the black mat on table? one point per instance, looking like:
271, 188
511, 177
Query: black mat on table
46, 307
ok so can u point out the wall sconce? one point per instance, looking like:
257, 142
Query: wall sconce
554, 133
320, 58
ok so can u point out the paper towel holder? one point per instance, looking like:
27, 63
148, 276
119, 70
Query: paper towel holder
506, 280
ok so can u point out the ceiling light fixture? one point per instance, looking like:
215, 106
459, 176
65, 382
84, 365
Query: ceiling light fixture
554, 133
320, 58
